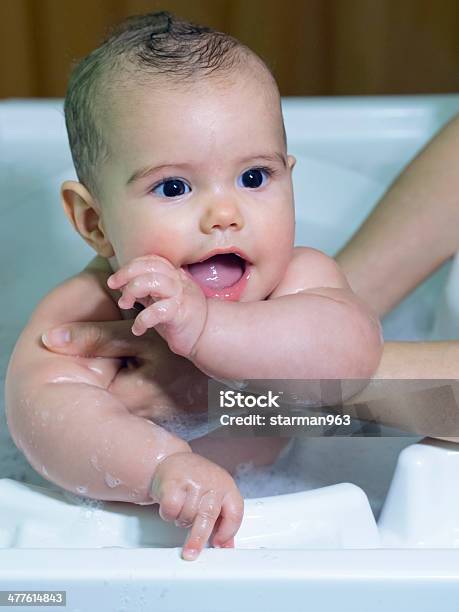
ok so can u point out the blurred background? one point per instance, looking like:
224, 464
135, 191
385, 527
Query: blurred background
314, 47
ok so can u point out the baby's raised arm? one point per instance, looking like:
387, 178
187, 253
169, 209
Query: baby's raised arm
312, 326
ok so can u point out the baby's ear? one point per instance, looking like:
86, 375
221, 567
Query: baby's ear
83, 213
291, 159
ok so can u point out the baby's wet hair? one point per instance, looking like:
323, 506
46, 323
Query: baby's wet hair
140, 48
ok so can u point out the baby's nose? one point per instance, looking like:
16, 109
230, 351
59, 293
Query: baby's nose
222, 216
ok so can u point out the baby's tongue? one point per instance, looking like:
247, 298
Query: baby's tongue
218, 272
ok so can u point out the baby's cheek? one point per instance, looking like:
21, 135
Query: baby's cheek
278, 271
127, 241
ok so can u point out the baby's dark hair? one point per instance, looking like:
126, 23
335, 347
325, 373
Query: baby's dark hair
140, 47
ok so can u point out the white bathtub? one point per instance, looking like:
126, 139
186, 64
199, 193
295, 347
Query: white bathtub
348, 150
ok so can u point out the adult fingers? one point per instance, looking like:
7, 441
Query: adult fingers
96, 339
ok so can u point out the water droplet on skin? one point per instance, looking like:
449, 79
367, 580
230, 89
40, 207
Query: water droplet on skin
61, 379
81, 490
111, 481
94, 369
44, 471
95, 463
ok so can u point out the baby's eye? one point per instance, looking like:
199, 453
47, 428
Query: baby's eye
171, 188
254, 178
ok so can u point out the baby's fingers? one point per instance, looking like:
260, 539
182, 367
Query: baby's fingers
208, 512
141, 265
230, 520
154, 285
159, 312
171, 502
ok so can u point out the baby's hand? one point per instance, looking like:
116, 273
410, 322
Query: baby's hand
174, 303
196, 493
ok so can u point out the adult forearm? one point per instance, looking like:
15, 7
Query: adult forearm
419, 360
412, 230
415, 389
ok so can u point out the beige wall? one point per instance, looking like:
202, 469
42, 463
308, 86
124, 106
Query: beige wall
322, 47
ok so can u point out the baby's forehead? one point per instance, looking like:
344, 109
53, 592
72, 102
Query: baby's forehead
126, 88
141, 113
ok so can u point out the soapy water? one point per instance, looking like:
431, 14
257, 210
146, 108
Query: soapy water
188, 426
87, 505
284, 476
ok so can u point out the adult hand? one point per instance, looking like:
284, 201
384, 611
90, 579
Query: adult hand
99, 339
152, 376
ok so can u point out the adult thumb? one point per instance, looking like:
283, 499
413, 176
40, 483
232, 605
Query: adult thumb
95, 339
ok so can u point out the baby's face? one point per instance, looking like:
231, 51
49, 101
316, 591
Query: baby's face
199, 173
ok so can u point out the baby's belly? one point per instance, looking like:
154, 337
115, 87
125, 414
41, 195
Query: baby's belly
170, 391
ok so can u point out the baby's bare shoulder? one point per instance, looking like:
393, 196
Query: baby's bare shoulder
310, 268
82, 297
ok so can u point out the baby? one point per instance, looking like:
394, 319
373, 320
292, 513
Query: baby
185, 194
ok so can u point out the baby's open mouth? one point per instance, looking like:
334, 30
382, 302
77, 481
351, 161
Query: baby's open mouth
219, 271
